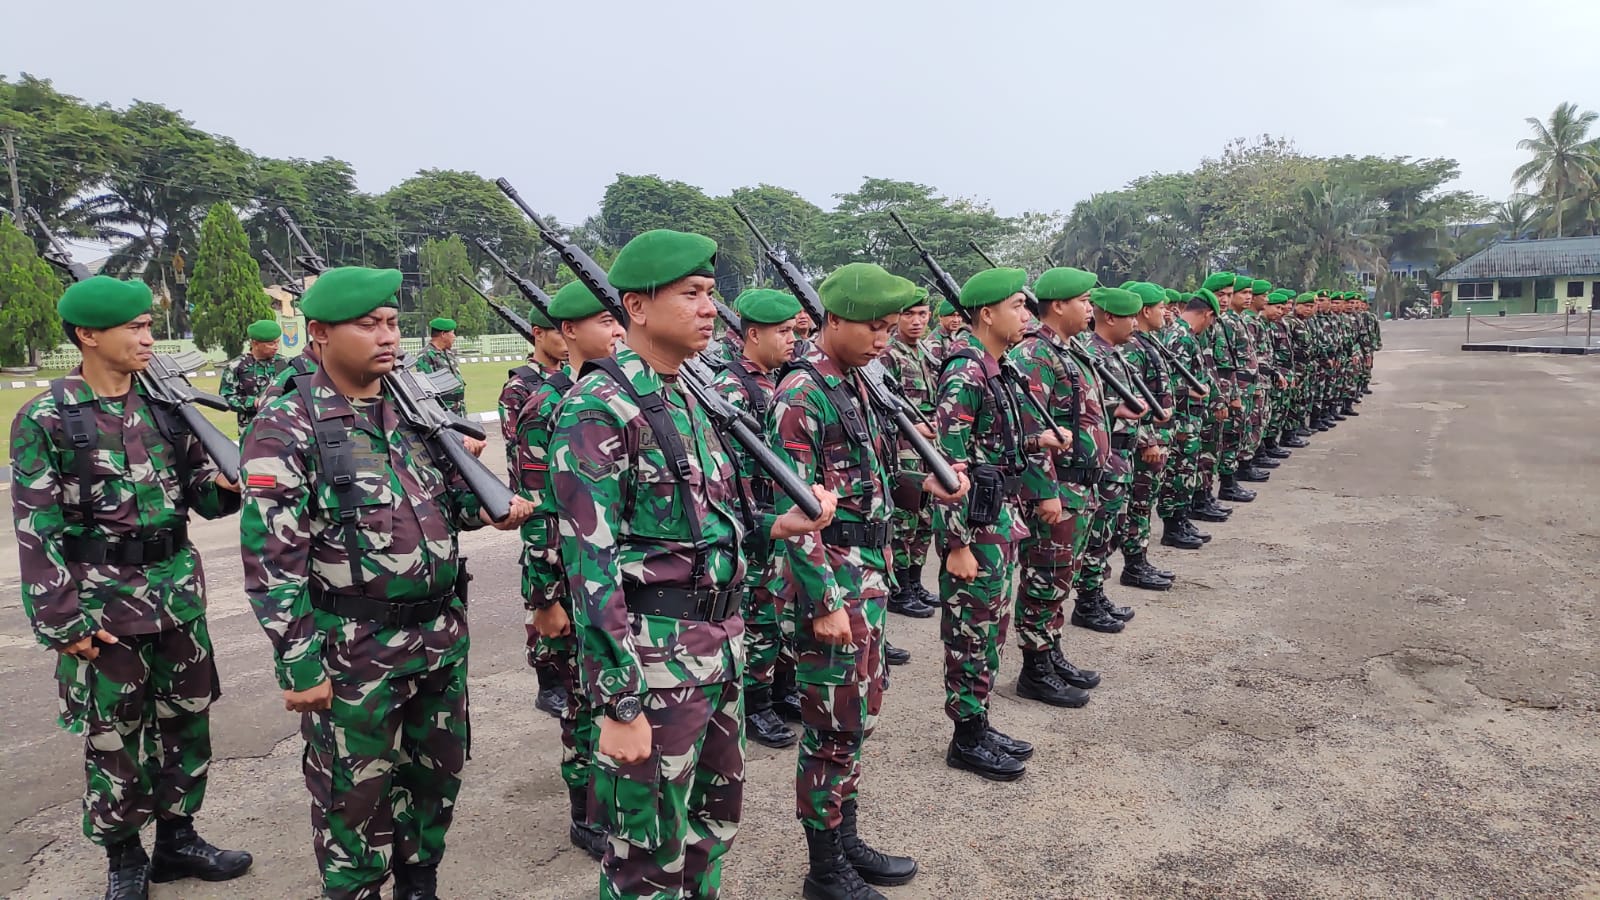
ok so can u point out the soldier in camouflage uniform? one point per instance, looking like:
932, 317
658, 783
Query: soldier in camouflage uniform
1280, 350
910, 361
651, 534
1115, 319
304, 364
1058, 487
767, 317
951, 326
1193, 410
440, 356
1372, 331
359, 586
1235, 362
246, 380
1296, 421
1222, 406
587, 331
1153, 450
980, 423
103, 486
822, 423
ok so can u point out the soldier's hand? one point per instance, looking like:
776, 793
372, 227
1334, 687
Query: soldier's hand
925, 430
794, 522
319, 697
834, 628
1049, 510
473, 445
1222, 414
1200, 395
1153, 454
552, 621
1236, 404
1126, 412
961, 564
1282, 382
84, 647
1049, 441
521, 509
931, 485
625, 742
225, 484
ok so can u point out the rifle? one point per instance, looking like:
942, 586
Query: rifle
163, 380
416, 403
530, 292
881, 388
1097, 365
729, 318
290, 283
693, 374
952, 291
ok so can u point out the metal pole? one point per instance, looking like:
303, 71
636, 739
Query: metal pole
1469, 325
1588, 338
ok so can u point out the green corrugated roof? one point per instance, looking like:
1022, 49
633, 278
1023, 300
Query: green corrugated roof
1555, 257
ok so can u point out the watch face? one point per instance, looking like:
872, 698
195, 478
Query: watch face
628, 709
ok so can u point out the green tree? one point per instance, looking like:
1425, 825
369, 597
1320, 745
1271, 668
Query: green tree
347, 227
65, 148
443, 294
859, 229
226, 289
28, 293
1517, 219
1565, 159
440, 203
1101, 237
785, 218
634, 204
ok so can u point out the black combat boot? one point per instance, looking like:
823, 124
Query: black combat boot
1249, 472
1089, 613
906, 599
1088, 679
972, 750
928, 597
1174, 535
1293, 440
895, 656
1205, 509
127, 870
1040, 681
1232, 493
831, 877
181, 853
583, 834
1017, 749
1203, 537
1138, 573
1335, 414
1350, 408
552, 694
761, 723
1263, 461
1274, 449
416, 881
1366, 390
785, 696
873, 867
1120, 613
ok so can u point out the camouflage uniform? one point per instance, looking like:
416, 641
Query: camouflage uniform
841, 686
143, 706
1052, 554
974, 616
1191, 417
520, 382
432, 359
627, 524
1281, 354
383, 765
296, 365
246, 380
1145, 363
1261, 387
1105, 529
1298, 415
1235, 361
914, 368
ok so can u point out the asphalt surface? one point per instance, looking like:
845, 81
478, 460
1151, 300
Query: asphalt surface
1381, 679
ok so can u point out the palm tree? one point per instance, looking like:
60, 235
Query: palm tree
1517, 219
1565, 158
1102, 237
1335, 228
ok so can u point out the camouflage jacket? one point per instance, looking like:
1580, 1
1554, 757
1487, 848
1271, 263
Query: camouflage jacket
1255, 326
296, 365
914, 368
137, 492
1280, 343
543, 576
432, 359
407, 516
245, 382
1147, 365
807, 431
941, 342
1194, 351
1124, 432
1055, 377
512, 397
969, 423
1299, 342
625, 520
756, 484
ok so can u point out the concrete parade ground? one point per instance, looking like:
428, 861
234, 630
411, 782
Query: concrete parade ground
1381, 679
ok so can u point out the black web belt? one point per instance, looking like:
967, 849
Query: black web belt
395, 614
159, 547
696, 604
856, 534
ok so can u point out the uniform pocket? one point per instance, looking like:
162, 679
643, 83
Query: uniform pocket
629, 799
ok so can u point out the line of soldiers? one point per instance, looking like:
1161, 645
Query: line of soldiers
676, 602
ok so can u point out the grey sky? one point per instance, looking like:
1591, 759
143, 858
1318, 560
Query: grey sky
1030, 105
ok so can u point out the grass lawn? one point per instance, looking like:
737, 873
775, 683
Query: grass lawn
484, 381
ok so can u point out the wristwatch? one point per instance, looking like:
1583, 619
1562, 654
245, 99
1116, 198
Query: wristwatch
624, 709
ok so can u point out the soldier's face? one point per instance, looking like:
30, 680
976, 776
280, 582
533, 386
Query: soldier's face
1169, 313
550, 342
913, 324
263, 349
1150, 318
1225, 298
125, 348
770, 346
950, 323
854, 344
803, 323
445, 339
678, 318
1240, 299
1116, 329
361, 350
1008, 317
595, 337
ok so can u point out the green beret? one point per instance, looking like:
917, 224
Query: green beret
104, 302
1261, 287
920, 298
865, 292
573, 302
1149, 294
766, 306
991, 286
1063, 283
264, 330
1307, 297
1206, 295
1277, 298
660, 257
538, 319
1322, 294
442, 324
945, 309
1243, 283
1218, 281
349, 292
1116, 301
1174, 297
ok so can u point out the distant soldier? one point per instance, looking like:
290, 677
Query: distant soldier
440, 356
950, 325
103, 486
909, 359
1152, 451
1196, 313
547, 356
351, 563
247, 380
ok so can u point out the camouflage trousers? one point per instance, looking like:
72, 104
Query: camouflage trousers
580, 728
1050, 556
1147, 483
673, 816
1256, 426
144, 709
1234, 430
841, 695
1210, 450
1364, 374
913, 535
768, 645
1104, 532
973, 618
1183, 469
383, 766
